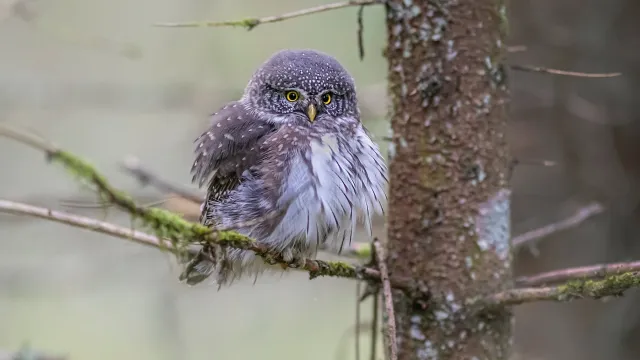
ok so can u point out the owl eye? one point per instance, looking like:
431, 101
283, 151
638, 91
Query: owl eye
292, 95
326, 98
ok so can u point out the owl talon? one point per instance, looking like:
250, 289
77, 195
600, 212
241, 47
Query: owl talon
298, 262
199, 267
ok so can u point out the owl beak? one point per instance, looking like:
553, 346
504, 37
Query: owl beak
311, 112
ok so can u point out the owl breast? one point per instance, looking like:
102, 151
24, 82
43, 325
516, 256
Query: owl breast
333, 184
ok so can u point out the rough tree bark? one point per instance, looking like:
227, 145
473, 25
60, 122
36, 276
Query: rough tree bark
449, 163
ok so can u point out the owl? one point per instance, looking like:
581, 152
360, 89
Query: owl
289, 165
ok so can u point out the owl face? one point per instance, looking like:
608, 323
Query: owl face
302, 86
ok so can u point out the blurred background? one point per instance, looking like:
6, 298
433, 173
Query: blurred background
96, 78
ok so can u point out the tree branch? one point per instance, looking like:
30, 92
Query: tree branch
580, 216
614, 285
583, 272
251, 23
17, 208
183, 234
540, 69
388, 300
132, 166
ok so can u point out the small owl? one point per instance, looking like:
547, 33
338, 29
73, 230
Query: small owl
289, 165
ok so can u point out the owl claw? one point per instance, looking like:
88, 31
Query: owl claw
298, 262
287, 255
199, 267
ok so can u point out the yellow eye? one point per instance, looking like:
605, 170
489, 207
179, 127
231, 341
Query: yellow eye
292, 95
326, 99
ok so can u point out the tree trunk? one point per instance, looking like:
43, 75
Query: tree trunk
449, 167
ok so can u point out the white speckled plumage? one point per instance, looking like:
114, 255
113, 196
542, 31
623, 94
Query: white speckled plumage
289, 183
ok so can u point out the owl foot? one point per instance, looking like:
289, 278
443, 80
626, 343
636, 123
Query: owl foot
292, 260
200, 266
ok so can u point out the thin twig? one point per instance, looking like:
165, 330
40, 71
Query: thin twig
581, 215
251, 23
132, 166
357, 328
544, 70
388, 300
577, 273
182, 233
17, 208
614, 285
374, 328
341, 353
361, 32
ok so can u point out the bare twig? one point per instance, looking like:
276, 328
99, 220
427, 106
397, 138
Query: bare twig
582, 272
614, 285
388, 300
17, 208
540, 69
357, 328
581, 215
361, 32
374, 328
341, 353
182, 234
132, 166
251, 23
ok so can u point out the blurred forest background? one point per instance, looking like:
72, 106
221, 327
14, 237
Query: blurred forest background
96, 78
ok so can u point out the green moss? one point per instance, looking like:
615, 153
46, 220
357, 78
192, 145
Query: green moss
249, 23
613, 285
332, 268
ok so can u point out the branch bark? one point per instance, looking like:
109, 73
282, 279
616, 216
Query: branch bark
614, 285
579, 273
133, 167
16, 208
544, 70
449, 199
388, 300
251, 23
530, 237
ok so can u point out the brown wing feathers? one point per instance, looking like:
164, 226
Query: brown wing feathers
229, 147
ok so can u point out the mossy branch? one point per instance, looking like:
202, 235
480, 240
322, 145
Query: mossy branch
183, 234
596, 271
251, 23
613, 285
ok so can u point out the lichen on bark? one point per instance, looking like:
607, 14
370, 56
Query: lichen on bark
449, 198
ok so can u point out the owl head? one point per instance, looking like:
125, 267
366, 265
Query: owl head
302, 86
